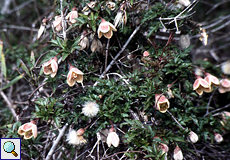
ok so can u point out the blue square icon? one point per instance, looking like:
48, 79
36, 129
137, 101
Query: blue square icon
10, 148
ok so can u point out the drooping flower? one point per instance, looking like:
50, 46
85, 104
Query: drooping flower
106, 29
225, 67
184, 2
86, 10
76, 137
57, 23
96, 45
74, 75
224, 86
161, 103
164, 148
110, 5
84, 42
42, 28
90, 109
112, 138
193, 137
177, 154
120, 19
71, 16
212, 81
200, 85
184, 41
218, 138
28, 130
225, 117
51, 67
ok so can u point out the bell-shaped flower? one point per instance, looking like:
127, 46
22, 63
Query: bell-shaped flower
84, 42
161, 103
212, 80
112, 138
225, 117
74, 75
42, 28
193, 137
28, 130
224, 86
164, 148
218, 138
106, 28
200, 85
57, 23
177, 154
225, 67
71, 16
51, 67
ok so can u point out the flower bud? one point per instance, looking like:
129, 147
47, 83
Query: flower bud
193, 137
218, 138
177, 154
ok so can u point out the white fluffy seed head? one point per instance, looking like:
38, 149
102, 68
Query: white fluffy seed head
90, 109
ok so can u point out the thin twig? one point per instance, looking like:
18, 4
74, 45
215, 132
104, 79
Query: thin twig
210, 99
9, 104
106, 56
119, 53
176, 120
61, 133
218, 109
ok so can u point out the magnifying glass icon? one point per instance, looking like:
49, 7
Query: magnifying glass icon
9, 147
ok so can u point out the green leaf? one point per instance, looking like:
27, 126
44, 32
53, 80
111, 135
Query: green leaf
23, 66
12, 82
3, 59
32, 58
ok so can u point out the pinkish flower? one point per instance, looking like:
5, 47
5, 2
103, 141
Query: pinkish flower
218, 138
224, 86
50, 67
225, 117
164, 148
71, 16
146, 53
74, 75
193, 137
177, 154
200, 85
28, 130
106, 29
161, 103
212, 80
57, 23
112, 138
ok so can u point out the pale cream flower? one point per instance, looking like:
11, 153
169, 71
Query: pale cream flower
225, 117
42, 28
86, 10
57, 23
218, 138
110, 5
161, 103
74, 138
193, 137
106, 29
225, 67
74, 75
90, 109
224, 86
200, 85
28, 130
184, 41
51, 67
84, 42
112, 138
185, 2
164, 148
71, 16
212, 81
177, 154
